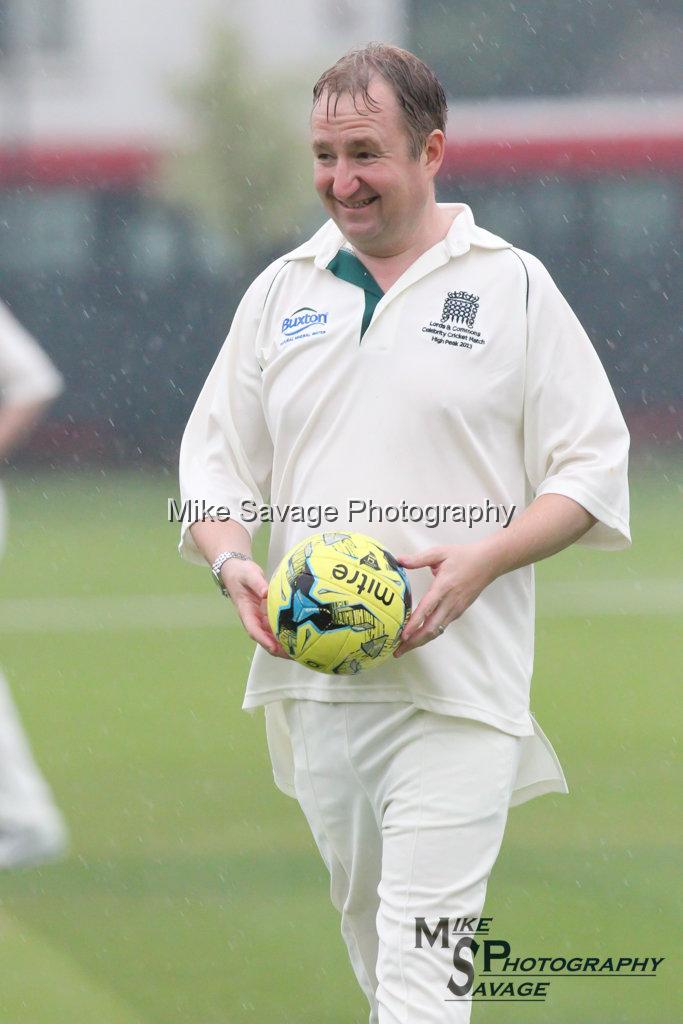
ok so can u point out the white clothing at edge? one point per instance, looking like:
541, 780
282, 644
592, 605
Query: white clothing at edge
31, 828
397, 416
26, 375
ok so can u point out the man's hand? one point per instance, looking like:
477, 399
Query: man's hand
461, 571
460, 574
248, 589
245, 581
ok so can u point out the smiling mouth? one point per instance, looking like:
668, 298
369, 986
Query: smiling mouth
357, 206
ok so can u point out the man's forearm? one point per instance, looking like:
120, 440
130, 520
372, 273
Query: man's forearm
551, 523
213, 537
16, 423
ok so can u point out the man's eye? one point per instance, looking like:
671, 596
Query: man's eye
323, 156
364, 155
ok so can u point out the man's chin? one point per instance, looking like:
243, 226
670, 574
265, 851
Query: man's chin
355, 229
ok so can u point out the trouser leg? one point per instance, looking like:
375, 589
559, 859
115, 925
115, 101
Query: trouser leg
408, 809
445, 800
344, 827
25, 798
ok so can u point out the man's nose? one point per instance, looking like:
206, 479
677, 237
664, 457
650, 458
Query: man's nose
345, 182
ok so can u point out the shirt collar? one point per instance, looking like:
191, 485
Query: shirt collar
463, 233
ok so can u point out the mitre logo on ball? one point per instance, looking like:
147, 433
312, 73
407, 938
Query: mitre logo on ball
338, 603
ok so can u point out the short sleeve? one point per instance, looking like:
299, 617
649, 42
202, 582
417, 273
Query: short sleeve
226, 453
26, 372
575, 439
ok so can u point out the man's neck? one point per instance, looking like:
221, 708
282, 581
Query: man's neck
386, 270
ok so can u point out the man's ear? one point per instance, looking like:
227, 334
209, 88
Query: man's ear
434, 151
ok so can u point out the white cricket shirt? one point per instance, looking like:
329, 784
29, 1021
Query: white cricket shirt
26, 375
469, 381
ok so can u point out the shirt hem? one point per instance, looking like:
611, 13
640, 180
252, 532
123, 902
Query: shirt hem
519, 796
456, 709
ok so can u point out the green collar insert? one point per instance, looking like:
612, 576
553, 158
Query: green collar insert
347, 267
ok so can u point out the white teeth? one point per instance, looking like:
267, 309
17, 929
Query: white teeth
357, 206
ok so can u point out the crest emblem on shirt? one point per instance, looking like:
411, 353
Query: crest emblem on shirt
460, 308
456, 326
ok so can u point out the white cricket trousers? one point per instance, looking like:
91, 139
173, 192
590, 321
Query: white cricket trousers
25, 799
408, 810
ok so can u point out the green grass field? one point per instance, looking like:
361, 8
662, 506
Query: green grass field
194, 893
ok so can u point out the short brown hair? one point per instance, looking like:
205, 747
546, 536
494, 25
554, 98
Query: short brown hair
419, 93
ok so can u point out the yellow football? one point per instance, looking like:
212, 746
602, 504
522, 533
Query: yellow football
338, 603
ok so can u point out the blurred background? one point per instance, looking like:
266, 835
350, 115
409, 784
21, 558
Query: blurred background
153, 160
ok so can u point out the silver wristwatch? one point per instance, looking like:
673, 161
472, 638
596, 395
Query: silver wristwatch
216, 567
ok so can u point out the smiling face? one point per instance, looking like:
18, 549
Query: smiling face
375, 191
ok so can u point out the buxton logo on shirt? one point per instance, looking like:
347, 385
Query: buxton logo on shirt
303, 323
456, 326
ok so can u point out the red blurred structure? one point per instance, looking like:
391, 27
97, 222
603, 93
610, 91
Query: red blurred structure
593, 186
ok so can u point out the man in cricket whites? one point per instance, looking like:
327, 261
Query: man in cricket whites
31, 828
435, 364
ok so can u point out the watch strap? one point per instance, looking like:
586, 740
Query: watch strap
220, 561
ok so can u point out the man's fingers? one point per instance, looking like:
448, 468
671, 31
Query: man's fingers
279, 652
254, 626
240, 577
424, 610
250, 602
429, 557
265, 624
255, 582
430, 629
